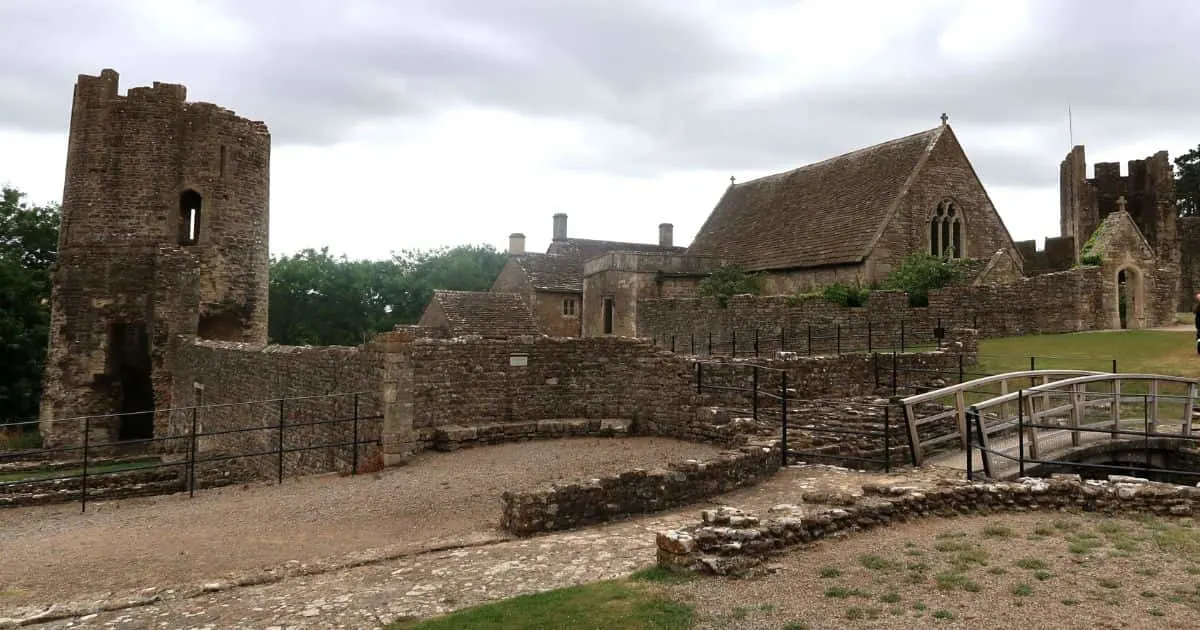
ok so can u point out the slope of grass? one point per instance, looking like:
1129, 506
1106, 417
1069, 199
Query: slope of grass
637, 603
1148, 351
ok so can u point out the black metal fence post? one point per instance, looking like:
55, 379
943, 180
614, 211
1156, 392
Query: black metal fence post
754, 392
783, 452
887, 439
693, 344
733, 342
354, 462
970, 446
1114, 366
1032, 363
710, 343
870, 344
756, 342
961, 372
809, 339
699, 378
192, 457
875, 366
672, 343
902, 346
87, 439
838, 334
280, 440
1021, 433
782, 339
895, 372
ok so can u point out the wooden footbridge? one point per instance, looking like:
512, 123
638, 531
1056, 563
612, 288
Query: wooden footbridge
1000, 425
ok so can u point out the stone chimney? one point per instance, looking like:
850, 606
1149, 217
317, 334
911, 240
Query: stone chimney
666, 235
560, 227
516, 243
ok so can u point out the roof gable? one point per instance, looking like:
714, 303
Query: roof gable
1116, 233
827, 213
486, 314
547, 272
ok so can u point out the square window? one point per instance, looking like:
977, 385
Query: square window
568, 306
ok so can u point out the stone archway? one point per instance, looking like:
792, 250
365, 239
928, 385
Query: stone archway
1131, 298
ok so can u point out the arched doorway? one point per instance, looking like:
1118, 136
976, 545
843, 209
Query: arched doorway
1130, 298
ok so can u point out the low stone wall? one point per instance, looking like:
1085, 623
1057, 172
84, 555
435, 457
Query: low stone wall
638, 491
248, 387
730, 541
454, 437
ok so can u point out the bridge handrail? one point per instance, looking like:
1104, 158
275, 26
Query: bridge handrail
987, 380
1081, 380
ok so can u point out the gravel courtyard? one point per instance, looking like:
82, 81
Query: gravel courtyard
54, 554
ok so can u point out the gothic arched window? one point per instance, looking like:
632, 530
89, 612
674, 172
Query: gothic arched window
945, 231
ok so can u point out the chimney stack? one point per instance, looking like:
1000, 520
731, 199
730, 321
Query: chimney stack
666, 235
560, 227
516, 243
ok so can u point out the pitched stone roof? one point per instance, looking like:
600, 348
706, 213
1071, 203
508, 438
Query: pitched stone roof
826, 213
586, 248
561, 267
547, 272
486, 314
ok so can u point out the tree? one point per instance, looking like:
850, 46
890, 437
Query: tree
729, 281
1187, 183
921, 273
319, 299
28, 249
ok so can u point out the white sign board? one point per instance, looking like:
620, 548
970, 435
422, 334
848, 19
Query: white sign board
518, 360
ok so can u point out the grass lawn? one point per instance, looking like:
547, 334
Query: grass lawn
636, 603
39, 474
1146, 351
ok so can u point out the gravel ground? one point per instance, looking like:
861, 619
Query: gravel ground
1132, 575
425, 584
55, 554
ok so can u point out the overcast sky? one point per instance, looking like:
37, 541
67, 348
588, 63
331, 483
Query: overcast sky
402, 124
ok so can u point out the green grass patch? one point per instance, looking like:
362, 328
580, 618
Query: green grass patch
661, 575
842, 592
878, 563
619, 604
830, 572
1032, 564
1144, 351
955, 580
1022, 590
42, 473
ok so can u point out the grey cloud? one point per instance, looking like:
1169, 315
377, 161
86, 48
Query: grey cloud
655, 70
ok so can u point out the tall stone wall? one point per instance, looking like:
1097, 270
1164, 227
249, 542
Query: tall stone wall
247, 386
1189, 264
163, 234
467, 382
1050, 303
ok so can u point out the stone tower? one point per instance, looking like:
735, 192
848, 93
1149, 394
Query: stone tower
163, 239
1146, 192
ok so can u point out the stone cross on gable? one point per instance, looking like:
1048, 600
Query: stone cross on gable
1121, 203
945, 118
731, 180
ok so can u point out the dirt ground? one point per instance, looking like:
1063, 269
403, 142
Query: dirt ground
431, 583
1037, 571
55, 554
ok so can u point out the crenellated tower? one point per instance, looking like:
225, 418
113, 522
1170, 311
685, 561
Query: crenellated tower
164, 237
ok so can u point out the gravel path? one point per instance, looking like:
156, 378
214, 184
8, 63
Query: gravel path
425, 584
54, 554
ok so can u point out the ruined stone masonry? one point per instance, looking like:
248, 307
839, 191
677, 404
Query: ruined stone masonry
163, 238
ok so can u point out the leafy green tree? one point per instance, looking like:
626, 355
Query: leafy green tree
28, 249
1187, 183
729, 281
921, 273
320, 299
